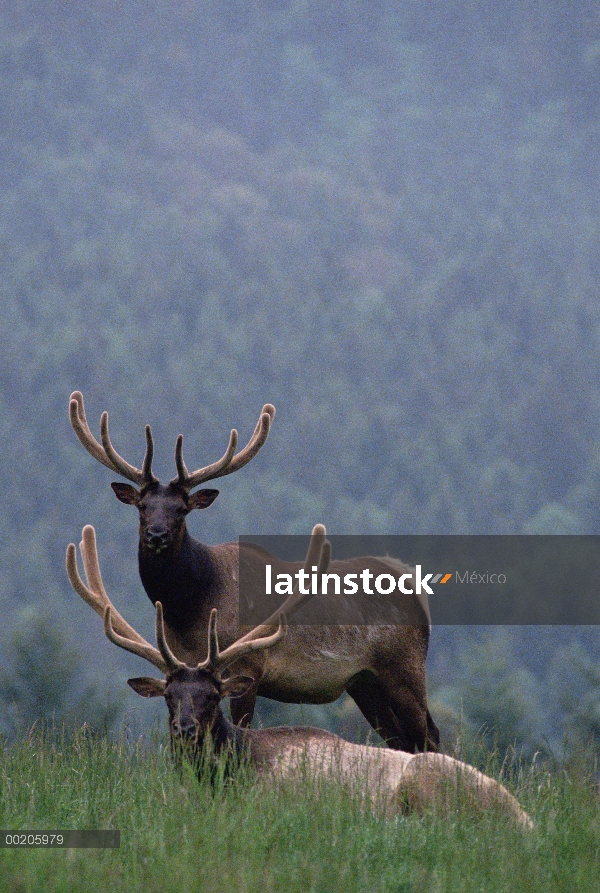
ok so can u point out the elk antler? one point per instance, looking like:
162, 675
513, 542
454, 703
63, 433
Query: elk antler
105, 452
164, 658
217, 661
95, 595
319, 554
228, 463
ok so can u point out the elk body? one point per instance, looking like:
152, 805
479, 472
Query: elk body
381, 667
391, 780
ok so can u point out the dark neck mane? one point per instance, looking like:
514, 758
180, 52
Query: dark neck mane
183, 581
226, 736
231, 746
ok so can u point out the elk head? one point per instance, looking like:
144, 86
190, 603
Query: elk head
193, 694
164, 507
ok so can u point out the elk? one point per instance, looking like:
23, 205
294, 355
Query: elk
381, 667
392, 780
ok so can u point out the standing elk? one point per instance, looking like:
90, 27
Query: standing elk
392, 780
381, 667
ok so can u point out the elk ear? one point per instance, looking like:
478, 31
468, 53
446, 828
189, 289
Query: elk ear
202, 499
126, 493
236, 686
147, 687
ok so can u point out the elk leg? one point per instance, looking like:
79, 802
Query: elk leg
374, 704
396, 711
242, 708
408, 702
433, 734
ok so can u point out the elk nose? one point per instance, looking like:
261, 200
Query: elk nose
157, 536
182, 728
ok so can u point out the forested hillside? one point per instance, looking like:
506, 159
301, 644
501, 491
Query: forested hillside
385, 219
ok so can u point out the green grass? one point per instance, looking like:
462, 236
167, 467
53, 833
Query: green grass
181, 835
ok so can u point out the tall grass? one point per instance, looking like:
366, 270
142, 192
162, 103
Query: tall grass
181, 834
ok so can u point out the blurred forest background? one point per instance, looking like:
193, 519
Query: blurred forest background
383, 217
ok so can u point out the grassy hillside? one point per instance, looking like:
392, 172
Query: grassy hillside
179, 835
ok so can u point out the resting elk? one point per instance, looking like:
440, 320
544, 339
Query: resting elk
391, 780
381, 667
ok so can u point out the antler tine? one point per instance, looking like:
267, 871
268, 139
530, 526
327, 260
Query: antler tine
217, 664
94, 593
142, 649
213, 639
261, 432
105, 452
216, 469
170, 661
148, 456
212, 658
82, 430
228, 463
319, 554
139, 476
91, 565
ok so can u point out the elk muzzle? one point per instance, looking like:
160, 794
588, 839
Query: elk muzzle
157, 538
184, 729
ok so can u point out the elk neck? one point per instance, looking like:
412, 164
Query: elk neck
183, 580
226, 739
